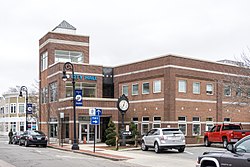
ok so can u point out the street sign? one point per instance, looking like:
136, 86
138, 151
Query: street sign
127, 133
98, 111
95, 120
91, 112
78, 97
29, 108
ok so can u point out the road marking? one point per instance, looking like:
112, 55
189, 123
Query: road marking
65, 156
189, 152
5, 164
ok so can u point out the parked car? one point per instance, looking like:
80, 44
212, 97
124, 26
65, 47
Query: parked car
33, 137
164, 138
225, 133
237, 155
16, 136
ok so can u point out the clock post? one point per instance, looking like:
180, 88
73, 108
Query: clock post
123, 105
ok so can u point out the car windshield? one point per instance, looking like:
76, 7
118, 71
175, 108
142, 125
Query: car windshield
36, 133
171, 131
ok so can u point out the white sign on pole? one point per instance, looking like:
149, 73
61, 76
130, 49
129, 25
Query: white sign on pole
61, 115
92, 112
127, 127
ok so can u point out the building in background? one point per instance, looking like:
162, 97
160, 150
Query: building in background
13, 112
167, 91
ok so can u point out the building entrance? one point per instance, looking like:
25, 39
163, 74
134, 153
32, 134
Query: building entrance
87, 133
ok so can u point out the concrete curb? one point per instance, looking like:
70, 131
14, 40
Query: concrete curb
90, 153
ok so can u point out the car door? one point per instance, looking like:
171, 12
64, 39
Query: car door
149, 138
241, 157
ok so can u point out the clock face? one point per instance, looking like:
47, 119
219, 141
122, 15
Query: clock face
123, 105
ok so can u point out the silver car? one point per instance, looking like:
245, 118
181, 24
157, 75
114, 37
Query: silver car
163, 138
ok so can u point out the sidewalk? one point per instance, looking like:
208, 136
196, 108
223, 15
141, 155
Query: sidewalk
88, 149
100, 151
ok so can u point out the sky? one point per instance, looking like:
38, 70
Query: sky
122, 31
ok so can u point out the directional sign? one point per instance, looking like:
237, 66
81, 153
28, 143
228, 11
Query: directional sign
95, 120
98, 111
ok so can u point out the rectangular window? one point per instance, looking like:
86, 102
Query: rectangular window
145, 128
157, 86
181, 118
53, 130
145, 119
196, 88
195, 119
44, 61
183, 128
13, 126
88, 89
157, 122
196, 129
135, 119
135, 89
209, 126
125, 90
21, 108
145, 88
209, 119
6, 127
227, 120
53, 91
227, 90
182, 86
21, 126
68, 56
238, 92
209, 89
156, 125
12, 108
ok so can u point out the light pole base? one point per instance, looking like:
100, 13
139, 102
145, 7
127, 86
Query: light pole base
75, 146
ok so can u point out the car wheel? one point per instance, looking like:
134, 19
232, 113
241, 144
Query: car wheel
20, 143
207, 142
181, 150
26, 143
45, 145
143, 146
225, 142
157, 149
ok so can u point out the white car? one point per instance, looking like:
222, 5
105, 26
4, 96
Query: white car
164, 138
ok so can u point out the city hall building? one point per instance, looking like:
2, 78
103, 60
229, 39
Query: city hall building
166, 91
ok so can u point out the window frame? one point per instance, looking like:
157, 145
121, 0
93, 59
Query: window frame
123, 90
180, 88
230, 90
212, 86
134, 94
145, 93
44, 61
154, 86
199, 88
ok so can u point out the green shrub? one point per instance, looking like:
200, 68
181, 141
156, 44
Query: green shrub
111, 134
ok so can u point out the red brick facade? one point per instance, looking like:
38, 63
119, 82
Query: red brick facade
163, 108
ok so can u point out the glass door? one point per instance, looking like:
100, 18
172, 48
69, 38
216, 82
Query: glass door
88, 132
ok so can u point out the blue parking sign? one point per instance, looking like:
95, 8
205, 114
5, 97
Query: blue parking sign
95, 120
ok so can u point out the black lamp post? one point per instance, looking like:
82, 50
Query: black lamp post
69, 66
25, 89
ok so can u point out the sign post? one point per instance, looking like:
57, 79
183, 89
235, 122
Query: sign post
95, 120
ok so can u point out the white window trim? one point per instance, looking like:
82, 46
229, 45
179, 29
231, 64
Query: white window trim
14, 107
212, 89
183, 123
143, 89
134, 94
227, 121
208, 123
23, 108
179, 86
123, 90
197, 93
196, 123
144, 123
154, 86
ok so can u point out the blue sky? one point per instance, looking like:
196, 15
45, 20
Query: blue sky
122, 31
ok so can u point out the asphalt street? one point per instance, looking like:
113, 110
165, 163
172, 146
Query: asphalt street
20, 156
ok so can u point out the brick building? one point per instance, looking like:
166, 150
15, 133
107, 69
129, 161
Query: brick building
167, 91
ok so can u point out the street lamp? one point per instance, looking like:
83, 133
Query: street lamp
69, 66
25, 89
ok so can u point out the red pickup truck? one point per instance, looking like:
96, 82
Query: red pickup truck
225, 133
